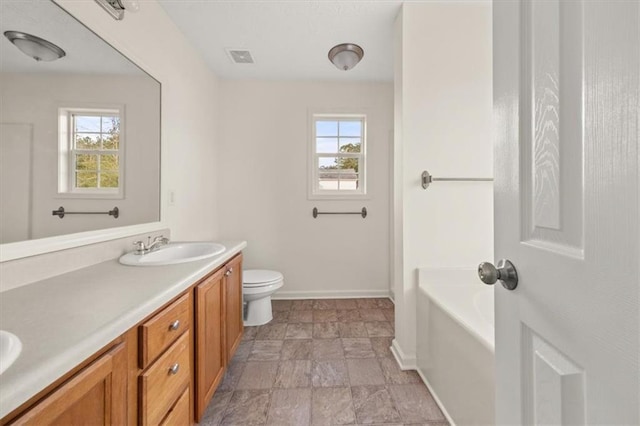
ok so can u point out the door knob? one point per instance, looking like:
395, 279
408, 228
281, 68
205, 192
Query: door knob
505, 272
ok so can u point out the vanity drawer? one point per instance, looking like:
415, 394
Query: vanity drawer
179, 413
164, 381
163, 329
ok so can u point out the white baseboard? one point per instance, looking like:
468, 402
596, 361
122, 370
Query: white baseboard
435, 397
329, 294
404, 361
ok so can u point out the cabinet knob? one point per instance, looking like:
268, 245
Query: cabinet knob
174, 369
174, 325
229, 271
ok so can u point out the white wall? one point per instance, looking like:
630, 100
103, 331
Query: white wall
34, 99
263, 170
443, 102
189, 113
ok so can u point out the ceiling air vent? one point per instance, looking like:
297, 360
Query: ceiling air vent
238, 56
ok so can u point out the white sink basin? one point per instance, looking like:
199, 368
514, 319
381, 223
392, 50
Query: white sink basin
174, 253
10, 348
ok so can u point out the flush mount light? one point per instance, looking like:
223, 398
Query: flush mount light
36, 47
346, 55
116, 8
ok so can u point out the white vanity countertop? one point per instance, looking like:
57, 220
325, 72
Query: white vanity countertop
63, 320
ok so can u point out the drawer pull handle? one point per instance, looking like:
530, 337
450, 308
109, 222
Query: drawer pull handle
229, 272
174, 369
174, 325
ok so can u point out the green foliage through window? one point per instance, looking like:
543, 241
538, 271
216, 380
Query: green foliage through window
96, 144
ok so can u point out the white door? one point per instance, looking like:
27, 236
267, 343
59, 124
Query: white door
567, 108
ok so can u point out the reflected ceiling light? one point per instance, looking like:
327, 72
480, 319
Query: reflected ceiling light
36, 47
116, 8
346, 55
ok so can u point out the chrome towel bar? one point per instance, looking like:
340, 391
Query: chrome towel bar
427, 179
61, 213
362, 212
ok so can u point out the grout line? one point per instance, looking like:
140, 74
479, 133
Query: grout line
353, 404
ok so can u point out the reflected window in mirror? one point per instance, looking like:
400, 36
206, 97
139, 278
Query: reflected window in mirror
91, 145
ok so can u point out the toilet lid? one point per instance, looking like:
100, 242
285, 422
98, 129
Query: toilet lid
259, 277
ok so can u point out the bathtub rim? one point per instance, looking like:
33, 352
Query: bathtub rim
423, 286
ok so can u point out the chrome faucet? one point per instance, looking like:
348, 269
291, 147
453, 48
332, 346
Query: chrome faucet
142, 248
158, 241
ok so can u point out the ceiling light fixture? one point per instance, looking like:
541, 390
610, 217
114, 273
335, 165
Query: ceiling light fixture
116, 8
35, 47
346, 55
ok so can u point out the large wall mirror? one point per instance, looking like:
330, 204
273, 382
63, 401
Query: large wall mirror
81, 132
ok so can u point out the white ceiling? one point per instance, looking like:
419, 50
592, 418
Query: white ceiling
86, 52
289, 39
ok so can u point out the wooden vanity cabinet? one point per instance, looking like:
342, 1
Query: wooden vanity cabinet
219, 327
163, 371
164, 328
210, 348
165, 355
180, 413
97, 394
233, 316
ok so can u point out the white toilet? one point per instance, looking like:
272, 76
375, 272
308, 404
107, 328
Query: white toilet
257, 287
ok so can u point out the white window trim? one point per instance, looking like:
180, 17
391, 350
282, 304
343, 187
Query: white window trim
313, 191
65, 159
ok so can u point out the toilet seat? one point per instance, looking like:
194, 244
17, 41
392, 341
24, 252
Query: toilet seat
260, 278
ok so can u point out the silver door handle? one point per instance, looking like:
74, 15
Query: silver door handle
505, 272
174, 369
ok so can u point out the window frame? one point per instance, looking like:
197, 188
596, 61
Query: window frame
67, 152
314, 190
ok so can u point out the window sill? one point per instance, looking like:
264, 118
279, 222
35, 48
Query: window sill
338, 197
88, 195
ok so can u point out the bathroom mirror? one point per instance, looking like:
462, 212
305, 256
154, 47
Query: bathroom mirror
81, 132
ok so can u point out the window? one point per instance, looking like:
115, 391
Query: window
338, 156
91, 152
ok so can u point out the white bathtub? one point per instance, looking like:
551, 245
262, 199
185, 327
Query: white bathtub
455, 352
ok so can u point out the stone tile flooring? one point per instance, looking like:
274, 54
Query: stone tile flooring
322, 362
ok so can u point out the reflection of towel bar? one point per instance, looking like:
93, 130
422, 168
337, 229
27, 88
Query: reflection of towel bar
61, 213
427, 178
362, 212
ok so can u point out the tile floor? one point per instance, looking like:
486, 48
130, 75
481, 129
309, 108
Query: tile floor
322, 362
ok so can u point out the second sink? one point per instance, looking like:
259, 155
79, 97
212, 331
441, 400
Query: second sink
10, 348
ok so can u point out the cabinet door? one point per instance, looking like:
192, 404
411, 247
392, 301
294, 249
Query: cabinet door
233, 305
210, 352
97, 395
